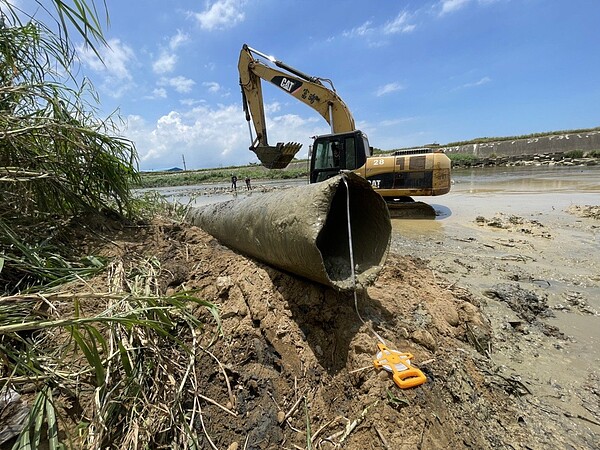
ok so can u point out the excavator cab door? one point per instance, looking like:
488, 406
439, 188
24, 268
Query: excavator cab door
326, 160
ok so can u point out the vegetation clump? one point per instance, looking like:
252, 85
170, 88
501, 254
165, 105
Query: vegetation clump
57, 159
461, 157
574, 154
593, 154
82, 365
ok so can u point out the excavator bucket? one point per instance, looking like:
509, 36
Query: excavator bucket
278, 156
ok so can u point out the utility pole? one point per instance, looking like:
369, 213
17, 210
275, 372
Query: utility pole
183, 158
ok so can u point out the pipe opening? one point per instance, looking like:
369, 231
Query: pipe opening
370, 227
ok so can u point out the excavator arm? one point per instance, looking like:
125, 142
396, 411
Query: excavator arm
309, 90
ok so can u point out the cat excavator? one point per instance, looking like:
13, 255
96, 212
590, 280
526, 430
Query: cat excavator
396, 177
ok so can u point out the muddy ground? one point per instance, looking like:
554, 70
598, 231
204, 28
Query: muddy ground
299, 360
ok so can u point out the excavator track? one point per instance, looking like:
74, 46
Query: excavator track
407, 208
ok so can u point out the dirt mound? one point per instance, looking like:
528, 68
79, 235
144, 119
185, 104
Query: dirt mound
296, 359
592, 212
514, 223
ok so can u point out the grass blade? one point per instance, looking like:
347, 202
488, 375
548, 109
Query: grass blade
52, 422
91, 355
37, 412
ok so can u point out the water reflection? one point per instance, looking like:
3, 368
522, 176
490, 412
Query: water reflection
441, 211
527, 179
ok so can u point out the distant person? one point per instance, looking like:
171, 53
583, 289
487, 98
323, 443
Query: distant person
335, 147
234, 182
248, 187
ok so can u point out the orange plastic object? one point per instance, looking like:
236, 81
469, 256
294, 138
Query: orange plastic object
404, 375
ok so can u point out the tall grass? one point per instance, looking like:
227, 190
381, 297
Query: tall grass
111, 369
57, 159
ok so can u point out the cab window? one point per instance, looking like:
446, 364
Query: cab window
327, 155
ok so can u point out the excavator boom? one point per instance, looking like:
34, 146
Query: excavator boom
307, 89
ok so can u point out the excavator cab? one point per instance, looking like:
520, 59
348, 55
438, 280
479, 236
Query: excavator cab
332, 153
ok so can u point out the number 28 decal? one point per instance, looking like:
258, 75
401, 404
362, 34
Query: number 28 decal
378, 162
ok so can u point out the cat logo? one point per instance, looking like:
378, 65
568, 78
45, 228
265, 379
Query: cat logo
289, 85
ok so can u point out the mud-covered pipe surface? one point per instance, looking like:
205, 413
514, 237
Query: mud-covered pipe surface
304, 230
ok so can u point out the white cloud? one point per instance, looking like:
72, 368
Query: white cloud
399, 25
372, 34
159, 93
273, 107
212, 86
179, 39
449, 6
112, 68
479, 82
212, 136
167, 58
180, 84
362, 30
221, 14
191, 102
116, 58
165, 63
388, 89
394, 122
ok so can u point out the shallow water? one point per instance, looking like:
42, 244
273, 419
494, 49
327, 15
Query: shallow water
470, 187
564, 264
205, 194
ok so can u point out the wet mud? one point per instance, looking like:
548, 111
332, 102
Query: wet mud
526, 246
296, 357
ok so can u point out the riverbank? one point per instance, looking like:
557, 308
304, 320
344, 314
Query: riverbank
299, 170
289, 363
221, 175
497, 300
568, 159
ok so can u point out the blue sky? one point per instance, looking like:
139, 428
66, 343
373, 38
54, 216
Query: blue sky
412, 72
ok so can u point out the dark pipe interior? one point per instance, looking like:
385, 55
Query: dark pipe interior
370, 233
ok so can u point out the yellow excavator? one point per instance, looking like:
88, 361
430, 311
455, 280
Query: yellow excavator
396, 177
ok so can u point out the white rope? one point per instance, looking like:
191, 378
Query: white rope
352, 262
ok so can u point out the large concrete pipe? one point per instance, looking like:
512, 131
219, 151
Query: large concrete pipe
304, 230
